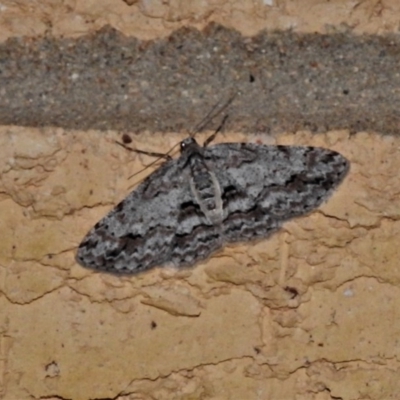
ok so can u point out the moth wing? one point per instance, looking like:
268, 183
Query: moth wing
263, 186
139, 232
198, 244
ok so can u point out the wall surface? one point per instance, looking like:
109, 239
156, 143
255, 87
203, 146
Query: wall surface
309, 313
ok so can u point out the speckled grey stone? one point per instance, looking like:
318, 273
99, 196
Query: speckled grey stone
286, 81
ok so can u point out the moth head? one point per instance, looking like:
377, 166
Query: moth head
189, 145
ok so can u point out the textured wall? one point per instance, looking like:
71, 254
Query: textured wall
311, 313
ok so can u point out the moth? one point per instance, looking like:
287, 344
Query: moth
192, 206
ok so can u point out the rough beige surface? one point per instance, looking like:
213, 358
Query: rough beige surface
229, 328
148, 19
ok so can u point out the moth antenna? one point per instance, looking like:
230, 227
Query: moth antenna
147, 153
212, 137
167, 155
214, 112
159, 156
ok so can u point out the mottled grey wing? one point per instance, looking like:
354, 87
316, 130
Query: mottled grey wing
263, 186
198, 244
140, 232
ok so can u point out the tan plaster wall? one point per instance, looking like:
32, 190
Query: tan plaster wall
226, 329
148, 19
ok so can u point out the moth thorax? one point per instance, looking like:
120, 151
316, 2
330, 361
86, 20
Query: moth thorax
207, 191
